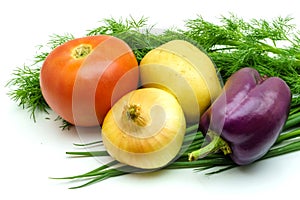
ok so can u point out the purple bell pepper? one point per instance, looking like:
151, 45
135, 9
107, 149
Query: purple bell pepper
247, 118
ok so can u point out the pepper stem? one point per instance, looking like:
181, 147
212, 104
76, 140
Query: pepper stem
216, 144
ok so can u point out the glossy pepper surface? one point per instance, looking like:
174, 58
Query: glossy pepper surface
247, 117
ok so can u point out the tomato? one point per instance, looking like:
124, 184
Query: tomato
82, 78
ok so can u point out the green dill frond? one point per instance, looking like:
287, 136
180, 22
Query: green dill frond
25, 82
114, 27
26, 91
65, 125
235, 43
55, 40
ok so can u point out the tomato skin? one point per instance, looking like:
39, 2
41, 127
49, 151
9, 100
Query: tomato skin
82, 90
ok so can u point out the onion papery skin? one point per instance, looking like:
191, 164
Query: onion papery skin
151, 145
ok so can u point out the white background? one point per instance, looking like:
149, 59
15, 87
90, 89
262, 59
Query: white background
31, 152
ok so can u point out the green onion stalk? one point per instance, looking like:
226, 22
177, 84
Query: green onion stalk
287, 142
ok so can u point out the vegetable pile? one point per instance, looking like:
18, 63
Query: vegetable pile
259, 61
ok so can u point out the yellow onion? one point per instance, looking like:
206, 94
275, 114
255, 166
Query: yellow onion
144, 129
185, 71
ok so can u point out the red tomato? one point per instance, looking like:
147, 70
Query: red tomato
81, 79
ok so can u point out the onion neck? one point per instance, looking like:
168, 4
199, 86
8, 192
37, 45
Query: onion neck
133, 113
216, 144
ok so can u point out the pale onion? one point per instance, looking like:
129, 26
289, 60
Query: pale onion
185, 71
144, 129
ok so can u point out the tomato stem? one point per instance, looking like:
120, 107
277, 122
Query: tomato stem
81, 51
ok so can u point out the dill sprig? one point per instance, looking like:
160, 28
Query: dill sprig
111, 26
140, 36
25, 89
55, 40
271, 47
25, 82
